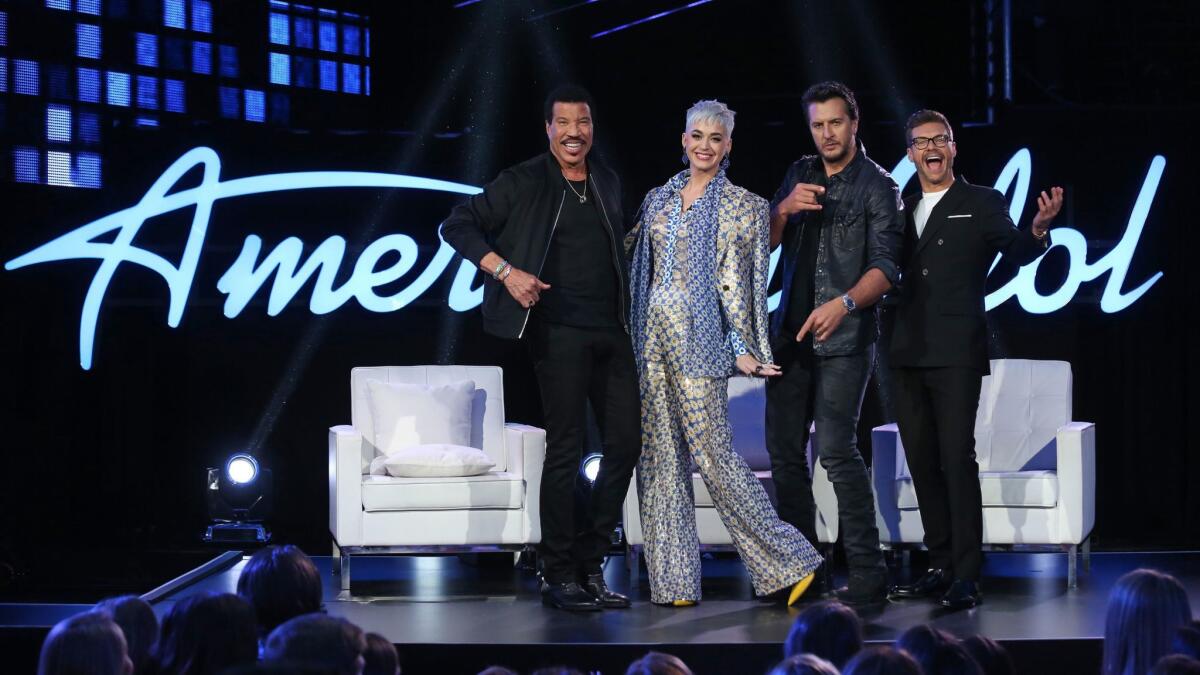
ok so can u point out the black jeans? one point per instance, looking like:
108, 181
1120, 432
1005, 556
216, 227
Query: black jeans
575, 366
827, 390
935, 410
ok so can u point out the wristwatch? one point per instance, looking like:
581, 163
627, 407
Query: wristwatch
848, 303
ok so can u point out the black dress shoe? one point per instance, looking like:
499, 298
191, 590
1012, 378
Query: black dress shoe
934, 582
864, 590
596, 587
569, 596
962, 595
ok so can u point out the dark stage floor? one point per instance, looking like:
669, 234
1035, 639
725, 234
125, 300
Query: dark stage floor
452, 614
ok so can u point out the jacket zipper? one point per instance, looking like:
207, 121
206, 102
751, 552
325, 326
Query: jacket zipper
542, 264
612, 239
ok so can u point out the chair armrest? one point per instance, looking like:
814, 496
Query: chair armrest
345, 485
1076, 455
526, 455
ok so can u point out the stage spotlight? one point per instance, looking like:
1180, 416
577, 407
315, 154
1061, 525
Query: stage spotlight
239, 499
590, 466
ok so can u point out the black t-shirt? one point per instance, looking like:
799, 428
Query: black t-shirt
580, 267
803, 291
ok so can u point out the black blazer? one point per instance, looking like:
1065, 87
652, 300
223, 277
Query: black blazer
940, 315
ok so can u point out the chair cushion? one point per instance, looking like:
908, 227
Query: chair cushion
1026, 489
495, 490
407, 415
438, 459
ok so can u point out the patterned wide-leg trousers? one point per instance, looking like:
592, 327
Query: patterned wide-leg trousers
685, 419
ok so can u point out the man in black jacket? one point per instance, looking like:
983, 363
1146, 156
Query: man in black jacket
838, 217
939, 348
547, 233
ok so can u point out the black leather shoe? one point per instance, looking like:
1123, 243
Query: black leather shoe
962, 595
569, 596
596, 587
934, 582
864, 591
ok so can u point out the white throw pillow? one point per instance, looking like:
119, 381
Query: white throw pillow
438, 459
413, 414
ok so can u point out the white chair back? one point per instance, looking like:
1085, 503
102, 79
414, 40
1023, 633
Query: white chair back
1022, 405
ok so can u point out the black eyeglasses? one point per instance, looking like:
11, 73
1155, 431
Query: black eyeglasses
939, 141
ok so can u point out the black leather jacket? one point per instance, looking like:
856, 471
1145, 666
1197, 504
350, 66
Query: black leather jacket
867, 230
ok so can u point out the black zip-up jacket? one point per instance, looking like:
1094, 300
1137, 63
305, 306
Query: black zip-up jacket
867, 230
515, 217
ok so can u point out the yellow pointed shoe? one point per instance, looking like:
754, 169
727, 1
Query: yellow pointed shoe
799, 588
688, 603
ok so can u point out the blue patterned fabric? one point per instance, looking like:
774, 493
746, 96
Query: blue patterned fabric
724, 272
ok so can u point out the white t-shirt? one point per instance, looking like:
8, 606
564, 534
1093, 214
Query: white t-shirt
925, 207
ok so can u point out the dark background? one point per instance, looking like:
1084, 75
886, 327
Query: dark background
114, 457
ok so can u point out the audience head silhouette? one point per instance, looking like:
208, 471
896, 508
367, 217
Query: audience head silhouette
85, 644
206, 633
830, 630
330, 643
281, 582
1146, 608
138, 623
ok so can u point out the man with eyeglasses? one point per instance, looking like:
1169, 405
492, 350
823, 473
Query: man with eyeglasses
939, 348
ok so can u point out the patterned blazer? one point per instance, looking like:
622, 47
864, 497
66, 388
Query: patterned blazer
725, 276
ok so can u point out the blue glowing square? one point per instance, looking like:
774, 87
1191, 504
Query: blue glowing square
201, 58
351, 78
229, 60
256, 106
64, 5
27, 165
327, 36
305, 69
3, 74
25, 77
87, 126
88, 7
278, 27
229, 102
351, 40
279, 4
174, 53
174, 94
367, 42
367, 80
302, 32
202, 16
3, 29
87, 41
88, 81
280, 69
174, 14
58, 168
146, 121
58, 124
87, 170
147, 50
147, 92
118, 88
328, 72
58, 83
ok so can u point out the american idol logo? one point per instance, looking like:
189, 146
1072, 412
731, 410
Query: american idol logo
287, 270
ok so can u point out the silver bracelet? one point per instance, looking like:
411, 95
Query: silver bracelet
499, 268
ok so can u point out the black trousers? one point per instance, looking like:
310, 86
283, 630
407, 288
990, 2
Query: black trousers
575, 366
827, 391
935, 409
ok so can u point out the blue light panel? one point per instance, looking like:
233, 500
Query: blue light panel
64, 5
87, 41
367, 81
3, 29
147, 92
281, 69
58, 124
147, 50
88, 7
175, 96
367, 42
328, 75
58, 168
87, 170
229, 60
302, 32
3, 75
202, 16
58, 83
351, 40
279, 4
174, 53
146, 121
229, 102
174, 14
256, 106
305, 68
278, 26
88, 127
351, 78
327, 36
88, 80
327, 12
201, 58
27, 165
118, 88
25, 78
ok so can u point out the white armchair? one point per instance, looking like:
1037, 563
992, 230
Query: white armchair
1037, 468
747, 411
497, 511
